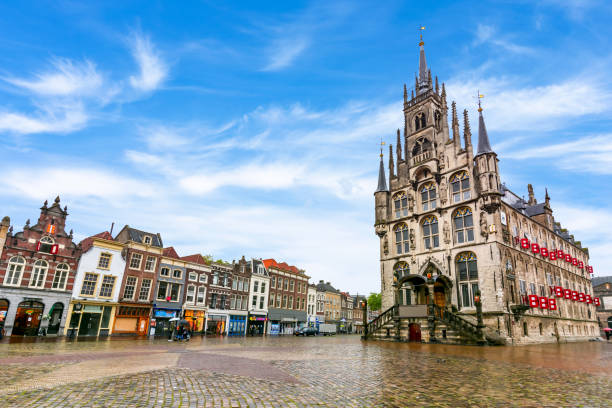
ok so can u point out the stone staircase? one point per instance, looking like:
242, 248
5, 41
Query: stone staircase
437, 325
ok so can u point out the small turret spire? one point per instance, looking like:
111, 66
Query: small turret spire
437, 86
532, 199
483, 138
546, 199
405, 94
382, 182
467, 132
391, 163
57, 200
399, 147
455, 125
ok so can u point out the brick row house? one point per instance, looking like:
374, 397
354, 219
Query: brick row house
131, 285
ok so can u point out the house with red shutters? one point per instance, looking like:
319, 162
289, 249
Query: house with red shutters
37, 270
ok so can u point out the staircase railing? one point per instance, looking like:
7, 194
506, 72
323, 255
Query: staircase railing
457, 322
382, 319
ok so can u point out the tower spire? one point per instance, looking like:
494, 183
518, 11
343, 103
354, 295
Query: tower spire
399, 148
423, 72
467, 132
405, 94
483, 138
455, 125
382, 181
391, 164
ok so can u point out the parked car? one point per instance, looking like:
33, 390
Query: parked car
306, 331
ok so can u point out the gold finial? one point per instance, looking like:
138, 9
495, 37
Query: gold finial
480, 96
381, 147
421, 28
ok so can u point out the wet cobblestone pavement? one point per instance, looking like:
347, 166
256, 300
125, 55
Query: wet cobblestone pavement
298, 372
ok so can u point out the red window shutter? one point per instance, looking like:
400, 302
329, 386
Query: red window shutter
596, 300
589, 299
38, 246
581, 297
590, 269
524, 243
560, 253
552, 304
567, 293
553, 255
54, 249
558, 291
544, 252
581, 264
535, 248
534, 301
574, 262
543, 302
574, 295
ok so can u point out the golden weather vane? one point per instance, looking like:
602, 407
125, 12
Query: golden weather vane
480, 96
421, 28
381, 146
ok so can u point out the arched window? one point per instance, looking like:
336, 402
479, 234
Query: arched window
14, 271
468, 277
60, 277
39, 271
460, 183
421, 145
419, 121
402, 244
400, 203
46, 244
430, 232
428, 196
464, 225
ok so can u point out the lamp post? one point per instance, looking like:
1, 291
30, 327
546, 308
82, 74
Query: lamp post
431, 318
364, 308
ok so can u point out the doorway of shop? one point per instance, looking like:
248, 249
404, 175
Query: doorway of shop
56, 318
90, 322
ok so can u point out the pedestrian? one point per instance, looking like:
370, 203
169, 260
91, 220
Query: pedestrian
607, 335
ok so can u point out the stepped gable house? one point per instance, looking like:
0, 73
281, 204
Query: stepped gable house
37, 269
452, 235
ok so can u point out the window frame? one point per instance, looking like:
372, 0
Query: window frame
193, 300
112, 288
11, 268
140, 297
64, 276
430, 203
400, 204
180, 274
41, 269
462, 214
469, 285
463, 192
135, 254
401, 230
147, 262
94, 289
134, 286
431, 237
203, 302
110, 259
192, 277
164, 271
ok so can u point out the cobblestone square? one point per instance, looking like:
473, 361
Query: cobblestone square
339, 371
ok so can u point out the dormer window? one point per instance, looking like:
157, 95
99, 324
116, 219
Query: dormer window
47, 245
147, 240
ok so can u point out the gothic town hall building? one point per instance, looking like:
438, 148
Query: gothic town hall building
462, 258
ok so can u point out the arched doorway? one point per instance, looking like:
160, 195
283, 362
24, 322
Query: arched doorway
56, 318
4, 305
27, 318
414, 332
440, 294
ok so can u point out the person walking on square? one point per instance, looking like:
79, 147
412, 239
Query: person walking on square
607, 335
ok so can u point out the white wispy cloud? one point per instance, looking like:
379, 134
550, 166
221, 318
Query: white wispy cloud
67, 78
509, 106
76, 182
51, 118
488, 34
591, 154
284, 52
153, 70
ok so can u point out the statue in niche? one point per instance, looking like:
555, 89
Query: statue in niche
443, 191
483, 225
386, 246
410, 202
412, 243
446, 230
441, 160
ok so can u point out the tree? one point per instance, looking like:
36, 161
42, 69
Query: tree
374, 301
208, 258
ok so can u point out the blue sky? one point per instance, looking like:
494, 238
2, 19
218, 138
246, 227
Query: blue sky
253, 129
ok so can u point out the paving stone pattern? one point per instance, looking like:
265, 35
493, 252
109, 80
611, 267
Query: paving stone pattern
290, 372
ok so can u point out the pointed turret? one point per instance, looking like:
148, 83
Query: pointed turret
483, 138
391, 164
405, 94
398, 148
532, 199
455, 126
437, 86
382, 181
546, 199
467, 131
423, 82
